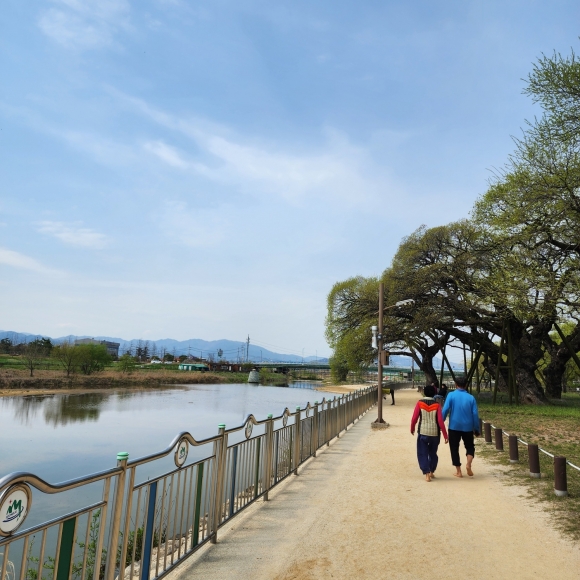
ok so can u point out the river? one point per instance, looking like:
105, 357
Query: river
62, 436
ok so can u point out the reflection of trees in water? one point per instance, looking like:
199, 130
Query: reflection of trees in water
66, 409
72, 408
26, 408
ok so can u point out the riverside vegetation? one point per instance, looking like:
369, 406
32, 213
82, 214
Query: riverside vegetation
85, 372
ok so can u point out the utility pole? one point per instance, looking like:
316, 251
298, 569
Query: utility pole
248, 349
380, 351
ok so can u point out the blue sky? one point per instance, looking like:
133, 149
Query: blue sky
209, 169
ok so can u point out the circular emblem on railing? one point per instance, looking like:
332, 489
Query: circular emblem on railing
15, 504
248, 429
181, 452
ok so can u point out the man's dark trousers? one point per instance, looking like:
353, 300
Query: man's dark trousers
455, 438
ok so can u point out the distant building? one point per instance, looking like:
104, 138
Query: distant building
112, 347
193, 367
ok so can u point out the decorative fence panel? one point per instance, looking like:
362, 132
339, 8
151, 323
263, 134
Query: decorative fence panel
140, 531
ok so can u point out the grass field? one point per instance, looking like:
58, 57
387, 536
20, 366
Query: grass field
555, 428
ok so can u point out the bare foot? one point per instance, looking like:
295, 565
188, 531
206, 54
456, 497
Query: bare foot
428, 477
469, 472
458, 474
432, 475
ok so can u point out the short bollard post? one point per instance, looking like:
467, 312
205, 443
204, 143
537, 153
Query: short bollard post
499, 440
560, 481
480, 426
487, 431
534, 460
514, 451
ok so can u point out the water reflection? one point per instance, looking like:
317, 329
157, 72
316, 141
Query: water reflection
74, 408
59, 409
79, 408
63, 436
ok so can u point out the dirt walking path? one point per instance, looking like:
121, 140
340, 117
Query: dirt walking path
362, 509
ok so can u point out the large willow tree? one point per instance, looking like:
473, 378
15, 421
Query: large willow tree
514, 265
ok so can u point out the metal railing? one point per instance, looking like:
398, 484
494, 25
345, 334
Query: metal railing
143, 530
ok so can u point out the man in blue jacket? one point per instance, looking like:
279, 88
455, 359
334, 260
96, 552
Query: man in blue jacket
463, 424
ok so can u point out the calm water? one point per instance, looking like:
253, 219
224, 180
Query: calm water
58, 437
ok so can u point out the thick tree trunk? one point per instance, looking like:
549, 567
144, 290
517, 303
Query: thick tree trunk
527, 352
554, 375
429, 371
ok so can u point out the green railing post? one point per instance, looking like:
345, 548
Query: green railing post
122, 458
315, 429
221, 448
297, 441
269, 455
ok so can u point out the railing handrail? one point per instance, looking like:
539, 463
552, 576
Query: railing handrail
45, 487
179, 510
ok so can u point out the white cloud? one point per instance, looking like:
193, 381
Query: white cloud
166, 153
73, 234
18, 260
84, 24
198, 227
337, 170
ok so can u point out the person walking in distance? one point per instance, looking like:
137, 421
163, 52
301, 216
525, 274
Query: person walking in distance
428, 413
463, 424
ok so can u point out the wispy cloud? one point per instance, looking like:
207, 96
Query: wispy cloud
167, 154
199, 227
84, 24
336, 170
18, 260
73, 234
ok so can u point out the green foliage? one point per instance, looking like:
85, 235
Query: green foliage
515, 263
67, 357
126, 363
168, 357
5, 345
268, 377
92, 358
338, 367
42, 344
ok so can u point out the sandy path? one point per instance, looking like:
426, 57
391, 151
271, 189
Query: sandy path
362, 510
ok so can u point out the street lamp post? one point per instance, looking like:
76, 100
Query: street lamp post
377, 342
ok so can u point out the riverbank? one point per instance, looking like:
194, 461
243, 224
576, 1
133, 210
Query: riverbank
16, 382
340, 389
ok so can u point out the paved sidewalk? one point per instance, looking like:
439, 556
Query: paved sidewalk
363, 510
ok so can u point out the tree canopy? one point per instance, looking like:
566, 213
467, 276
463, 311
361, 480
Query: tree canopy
511, 269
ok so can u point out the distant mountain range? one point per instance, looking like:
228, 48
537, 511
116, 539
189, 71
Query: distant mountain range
233, 350
405, 362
